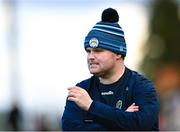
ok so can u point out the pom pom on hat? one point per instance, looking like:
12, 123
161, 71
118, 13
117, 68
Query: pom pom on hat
109, 15
107, 34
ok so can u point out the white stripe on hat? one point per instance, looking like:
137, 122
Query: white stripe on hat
107, 26
118, 34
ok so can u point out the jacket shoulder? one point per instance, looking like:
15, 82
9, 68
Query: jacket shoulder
143, 85
137, 77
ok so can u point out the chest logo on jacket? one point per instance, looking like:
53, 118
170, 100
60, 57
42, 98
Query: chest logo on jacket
107, 93
119, 104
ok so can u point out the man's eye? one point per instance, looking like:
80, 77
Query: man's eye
99, 50
88, 51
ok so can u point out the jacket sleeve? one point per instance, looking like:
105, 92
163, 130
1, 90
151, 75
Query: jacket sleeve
144, 96
72, 119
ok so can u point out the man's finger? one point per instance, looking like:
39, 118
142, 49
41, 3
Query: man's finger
133, 104
73, 94
72, 99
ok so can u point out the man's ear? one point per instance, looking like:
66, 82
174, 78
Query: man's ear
118, 56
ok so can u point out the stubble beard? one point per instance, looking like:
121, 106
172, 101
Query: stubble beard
102, 74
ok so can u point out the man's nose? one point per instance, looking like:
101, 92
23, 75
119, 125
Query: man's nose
91, 55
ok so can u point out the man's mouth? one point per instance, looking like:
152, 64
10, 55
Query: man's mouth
93, 64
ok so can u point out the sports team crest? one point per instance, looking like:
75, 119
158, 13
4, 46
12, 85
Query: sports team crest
119, 104
93, 42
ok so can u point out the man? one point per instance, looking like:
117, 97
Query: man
115, 97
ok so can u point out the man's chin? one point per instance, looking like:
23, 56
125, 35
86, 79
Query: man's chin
95, 73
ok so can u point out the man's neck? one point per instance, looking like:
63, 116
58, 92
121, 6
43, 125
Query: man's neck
114, 77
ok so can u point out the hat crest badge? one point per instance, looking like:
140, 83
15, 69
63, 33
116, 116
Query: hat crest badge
93, 42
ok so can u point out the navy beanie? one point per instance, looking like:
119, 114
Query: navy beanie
107, 34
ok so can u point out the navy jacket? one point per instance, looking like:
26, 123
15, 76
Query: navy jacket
100, 116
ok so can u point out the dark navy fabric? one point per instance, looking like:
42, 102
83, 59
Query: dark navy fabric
103, 114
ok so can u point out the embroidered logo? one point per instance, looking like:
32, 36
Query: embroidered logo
107, 93
119, 104
94, 43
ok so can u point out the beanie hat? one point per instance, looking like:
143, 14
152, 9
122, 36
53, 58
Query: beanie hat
107, 34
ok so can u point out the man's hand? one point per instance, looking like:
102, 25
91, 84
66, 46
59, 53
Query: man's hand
80, 97
132, 108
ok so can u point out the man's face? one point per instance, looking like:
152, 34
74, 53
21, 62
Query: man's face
101, 62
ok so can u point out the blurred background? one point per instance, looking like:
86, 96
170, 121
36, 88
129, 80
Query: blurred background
41, 54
